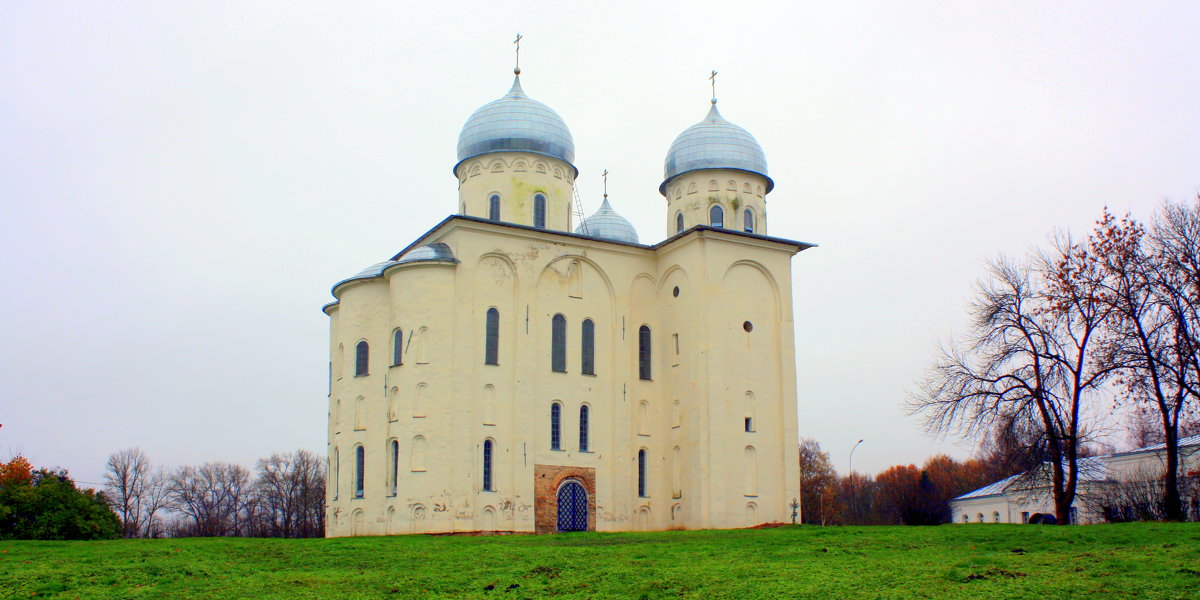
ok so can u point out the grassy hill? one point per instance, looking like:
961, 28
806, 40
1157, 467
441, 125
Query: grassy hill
974, 561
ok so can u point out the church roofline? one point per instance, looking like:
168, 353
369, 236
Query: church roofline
799, 246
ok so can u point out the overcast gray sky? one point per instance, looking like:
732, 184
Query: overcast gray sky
181, 182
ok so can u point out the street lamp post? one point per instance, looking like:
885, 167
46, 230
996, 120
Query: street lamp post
852, 455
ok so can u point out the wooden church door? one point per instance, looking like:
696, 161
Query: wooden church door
572, 507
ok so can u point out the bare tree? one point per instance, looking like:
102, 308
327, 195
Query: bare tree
818, 483
1030, 358
290, 488
129, 481
214, 497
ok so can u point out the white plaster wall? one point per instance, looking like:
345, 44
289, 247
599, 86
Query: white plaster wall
529, 276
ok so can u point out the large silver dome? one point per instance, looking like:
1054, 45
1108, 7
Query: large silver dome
714, 143
516, 122
607, 224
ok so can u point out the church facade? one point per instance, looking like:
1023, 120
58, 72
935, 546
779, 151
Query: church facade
514, 371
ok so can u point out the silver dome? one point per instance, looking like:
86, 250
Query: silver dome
607, 224
714, 143
436, 252
516, 122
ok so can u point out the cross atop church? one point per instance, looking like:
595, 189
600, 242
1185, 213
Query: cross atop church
713, 79
517, 41
605, 174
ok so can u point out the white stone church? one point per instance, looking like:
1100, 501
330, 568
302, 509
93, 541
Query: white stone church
512, 370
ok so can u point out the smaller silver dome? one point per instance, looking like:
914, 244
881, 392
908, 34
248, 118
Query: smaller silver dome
714, 143
607, 224
436, 252
515, 123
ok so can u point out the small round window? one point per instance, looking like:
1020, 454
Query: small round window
675, 292
748, 326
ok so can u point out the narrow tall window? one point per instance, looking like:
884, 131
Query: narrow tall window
337, 473
558, 343
398, 347
748, 217
494, 207
716, 216
487, 466
491, 352
359, 470
642, 473
556, 426
539, 211
395, 470
584, 413
361, 353
587, 339
679, 222
644, 353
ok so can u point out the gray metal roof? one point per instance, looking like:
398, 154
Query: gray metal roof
435, 252
370, 272
607, 224
519, 123
1183, 443
992, 489
714, 143
1091, 468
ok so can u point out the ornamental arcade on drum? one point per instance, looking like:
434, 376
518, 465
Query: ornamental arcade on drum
513, 371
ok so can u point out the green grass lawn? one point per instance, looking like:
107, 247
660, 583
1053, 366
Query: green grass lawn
951, 561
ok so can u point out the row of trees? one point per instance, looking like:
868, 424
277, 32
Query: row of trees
900, 495
284, 497
1055, 336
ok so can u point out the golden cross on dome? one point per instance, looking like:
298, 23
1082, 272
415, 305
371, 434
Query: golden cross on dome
517, 41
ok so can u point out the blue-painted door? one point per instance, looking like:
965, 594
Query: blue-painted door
572, 507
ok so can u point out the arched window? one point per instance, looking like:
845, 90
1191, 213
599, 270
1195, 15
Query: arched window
584, 413
494, 207
642, 473
558, 344
716, 216
644, 353
394, 465
539, 211
337, 472
587, 339
748, 220
751, 471
491, 350
676, 485
359, 470
417, 458
679, 222
643, 418
487, 466
398, 347
361, 353
556, 426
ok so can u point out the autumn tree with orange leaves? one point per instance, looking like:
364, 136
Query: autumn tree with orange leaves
1151, 278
